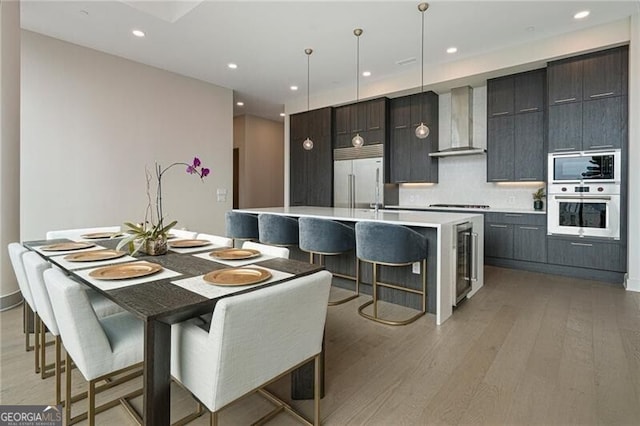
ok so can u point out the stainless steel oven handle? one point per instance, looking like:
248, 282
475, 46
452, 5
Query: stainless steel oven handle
474, 257
581, 197
582, 244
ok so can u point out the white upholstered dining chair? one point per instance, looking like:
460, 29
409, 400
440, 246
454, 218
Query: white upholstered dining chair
254, 338
16, 251
35, 266
183, 233
79, 232
216, 239
275, 251
99, 347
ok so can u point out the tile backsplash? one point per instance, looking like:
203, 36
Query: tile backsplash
463, 180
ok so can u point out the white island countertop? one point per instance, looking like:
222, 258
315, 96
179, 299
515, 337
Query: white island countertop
425, 219
442, 223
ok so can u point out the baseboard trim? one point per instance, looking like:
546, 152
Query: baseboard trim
9, 301
631, 284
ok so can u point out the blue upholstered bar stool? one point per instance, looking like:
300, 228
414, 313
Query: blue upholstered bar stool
241, 226
391, 245
277, 230
324, 237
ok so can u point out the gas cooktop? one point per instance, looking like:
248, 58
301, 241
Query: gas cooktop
461, 206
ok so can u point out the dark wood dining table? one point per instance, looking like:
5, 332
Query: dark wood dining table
159, 304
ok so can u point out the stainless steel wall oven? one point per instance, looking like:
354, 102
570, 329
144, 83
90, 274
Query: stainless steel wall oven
584, 194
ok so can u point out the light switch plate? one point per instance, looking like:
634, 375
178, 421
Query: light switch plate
221, 195
415, 268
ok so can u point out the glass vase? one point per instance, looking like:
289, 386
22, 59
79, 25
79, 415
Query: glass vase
156, 246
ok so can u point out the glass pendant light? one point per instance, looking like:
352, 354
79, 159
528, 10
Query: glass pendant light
422, 131
308, 143
357, 140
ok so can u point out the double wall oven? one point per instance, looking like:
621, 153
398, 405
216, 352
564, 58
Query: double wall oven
584, 194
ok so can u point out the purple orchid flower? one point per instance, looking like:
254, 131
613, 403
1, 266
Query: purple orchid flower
204, 172
196, 162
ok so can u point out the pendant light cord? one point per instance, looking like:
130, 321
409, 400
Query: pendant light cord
308, 79
422, 70
358, 70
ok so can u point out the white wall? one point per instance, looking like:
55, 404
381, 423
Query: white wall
92, 121
9, 146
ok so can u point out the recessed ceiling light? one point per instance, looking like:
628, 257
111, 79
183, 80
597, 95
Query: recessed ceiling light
581, 15
240, 103
138, 33
366, 73
232, 65
452, 50
293, 87
84, 12
282, 114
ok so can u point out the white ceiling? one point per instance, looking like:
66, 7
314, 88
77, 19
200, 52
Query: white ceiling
267, 39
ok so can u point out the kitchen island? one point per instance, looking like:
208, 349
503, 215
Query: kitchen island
440, 230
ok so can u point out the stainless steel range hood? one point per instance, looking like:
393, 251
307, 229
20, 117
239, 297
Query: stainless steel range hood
461, 142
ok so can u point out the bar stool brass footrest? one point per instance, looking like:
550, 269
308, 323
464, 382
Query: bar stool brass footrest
386, 321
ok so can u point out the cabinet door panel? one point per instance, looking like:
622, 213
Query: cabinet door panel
298, 126
400, 155
500, 96
320, 122
500, 149
498, 238
565, 81
376, 115
297, 175
319, 179
530, 243
529, 147
586, 254
603, 74
530, 91
604, 123
400, 112
565, 127
358, 118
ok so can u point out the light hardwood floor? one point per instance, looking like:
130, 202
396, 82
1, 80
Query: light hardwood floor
527, 349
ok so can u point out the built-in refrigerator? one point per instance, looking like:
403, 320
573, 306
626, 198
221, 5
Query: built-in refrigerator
358, 175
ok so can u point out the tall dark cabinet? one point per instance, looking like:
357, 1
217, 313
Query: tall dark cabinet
409, 159
588, 101
516, 127
311, 172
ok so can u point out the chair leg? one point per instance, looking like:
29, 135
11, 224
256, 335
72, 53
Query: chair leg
214, 418
356, 278
91, 401
67, 372
375, 290
36, 343
25, 321
374, 299
43, 349
58, 371
316, 390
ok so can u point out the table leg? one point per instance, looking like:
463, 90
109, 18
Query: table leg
157, 373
